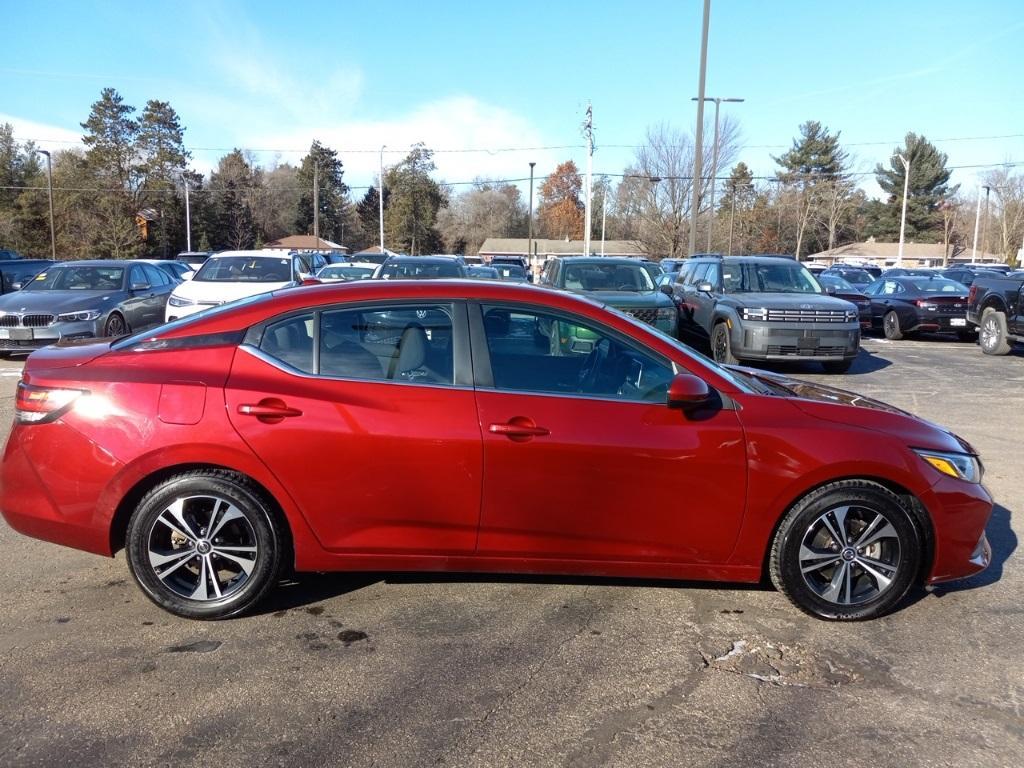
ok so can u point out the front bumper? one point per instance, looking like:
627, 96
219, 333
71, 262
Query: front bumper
28, 339
758, 340
959, 512
176, 313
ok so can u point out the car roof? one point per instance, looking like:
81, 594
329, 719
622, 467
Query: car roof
423, 259
97, 262
254, 254
623, 260
765, 258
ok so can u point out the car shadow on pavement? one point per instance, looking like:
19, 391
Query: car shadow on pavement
866, 362
1003, 541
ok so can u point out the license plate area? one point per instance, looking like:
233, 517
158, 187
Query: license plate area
21, 334
958, 321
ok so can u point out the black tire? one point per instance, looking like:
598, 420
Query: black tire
115, 326
721, 345
248, 522
891, 326
800, 565
837, 366
994, 335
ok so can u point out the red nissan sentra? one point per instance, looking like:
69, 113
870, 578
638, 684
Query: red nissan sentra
474, 426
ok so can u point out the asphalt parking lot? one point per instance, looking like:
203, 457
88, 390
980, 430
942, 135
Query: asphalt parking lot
393, 670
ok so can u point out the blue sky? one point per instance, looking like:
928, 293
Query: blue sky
471, 75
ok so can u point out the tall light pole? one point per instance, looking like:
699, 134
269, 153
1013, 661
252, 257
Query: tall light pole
984, 227
380, 197
188, 216
903, 215
49, 188
529, 240
977, 219
588, 132
698, 155
316, 202
714, 160
604, 213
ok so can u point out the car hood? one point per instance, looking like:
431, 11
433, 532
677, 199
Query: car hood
56, 302
845, 407
222, 292
629, 298
789, 300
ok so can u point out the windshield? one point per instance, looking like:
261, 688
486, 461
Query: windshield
857, 276
938, 285
632, 278
764, 277
244, 269
413, 270
831, 281
510, 271
78, 279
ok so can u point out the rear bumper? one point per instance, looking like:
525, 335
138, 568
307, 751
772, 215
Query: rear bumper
959, 513
51, 479
943, 324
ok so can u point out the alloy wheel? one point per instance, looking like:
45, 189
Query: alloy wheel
202, 548
850, 555
115, 326
989, 333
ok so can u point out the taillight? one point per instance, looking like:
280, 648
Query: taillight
923, 304
38, 405
972, 293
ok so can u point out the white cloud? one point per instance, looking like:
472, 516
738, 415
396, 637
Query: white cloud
49, 137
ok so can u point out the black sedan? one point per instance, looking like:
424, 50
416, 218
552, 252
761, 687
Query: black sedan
841, 289
904, 306
83, 299
856, 276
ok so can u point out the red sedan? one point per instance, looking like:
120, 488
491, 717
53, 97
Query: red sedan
474, 426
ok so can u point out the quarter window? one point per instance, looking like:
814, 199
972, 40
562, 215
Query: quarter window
291, 341
537, 352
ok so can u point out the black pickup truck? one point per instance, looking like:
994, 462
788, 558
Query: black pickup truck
996, 306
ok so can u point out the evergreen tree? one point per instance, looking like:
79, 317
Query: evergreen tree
163, 157
928, 187
333, 200
739, 187
415, 198
232, 218
815, 155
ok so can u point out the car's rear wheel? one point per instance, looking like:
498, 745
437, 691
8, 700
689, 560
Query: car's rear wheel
115, 326
891, 326
721, 345
994, 334
205, 544
847, 551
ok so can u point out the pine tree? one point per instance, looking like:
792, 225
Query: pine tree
161, 149
928, 187
333, 200
410, 217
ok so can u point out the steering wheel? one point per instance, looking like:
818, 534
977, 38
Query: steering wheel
591, 370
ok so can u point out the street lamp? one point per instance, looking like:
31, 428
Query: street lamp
49, 187
529, 241
714, 160
380, 197
903, 216
698, 150
188, 216
984, 228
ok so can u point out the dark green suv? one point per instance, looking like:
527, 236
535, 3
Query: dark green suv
624, 284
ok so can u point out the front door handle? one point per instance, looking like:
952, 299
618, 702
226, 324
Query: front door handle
269, 410
519, 429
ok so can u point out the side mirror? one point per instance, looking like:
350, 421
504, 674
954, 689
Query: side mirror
140, 286
705, 287
687, 391
666, 289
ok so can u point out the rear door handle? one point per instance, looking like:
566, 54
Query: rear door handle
519, 428
269, 410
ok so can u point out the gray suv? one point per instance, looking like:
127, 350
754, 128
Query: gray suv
764, 308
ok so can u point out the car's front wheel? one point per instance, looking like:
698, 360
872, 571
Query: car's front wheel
205, 544
115, 326
721, 345
847, 551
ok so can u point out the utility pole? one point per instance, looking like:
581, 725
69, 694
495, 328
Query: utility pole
604, 213
529, 241
903, 216
49, 188
188, 216
316, 202
714, 162
698, 155
588, 133
977, 219
380, 197
984, 227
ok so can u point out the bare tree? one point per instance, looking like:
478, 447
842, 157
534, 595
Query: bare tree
1009, 193
836, 199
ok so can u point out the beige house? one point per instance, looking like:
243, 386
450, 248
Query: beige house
544, 249
884, 255
304, 243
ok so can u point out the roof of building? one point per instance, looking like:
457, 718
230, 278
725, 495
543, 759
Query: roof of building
874, 250
494, 246
305, 243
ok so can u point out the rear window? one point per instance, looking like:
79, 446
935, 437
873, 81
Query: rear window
937, 285
412, 270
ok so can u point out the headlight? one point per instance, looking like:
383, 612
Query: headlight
851, 315
79, 317
755, 313
179, 301
959, 465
